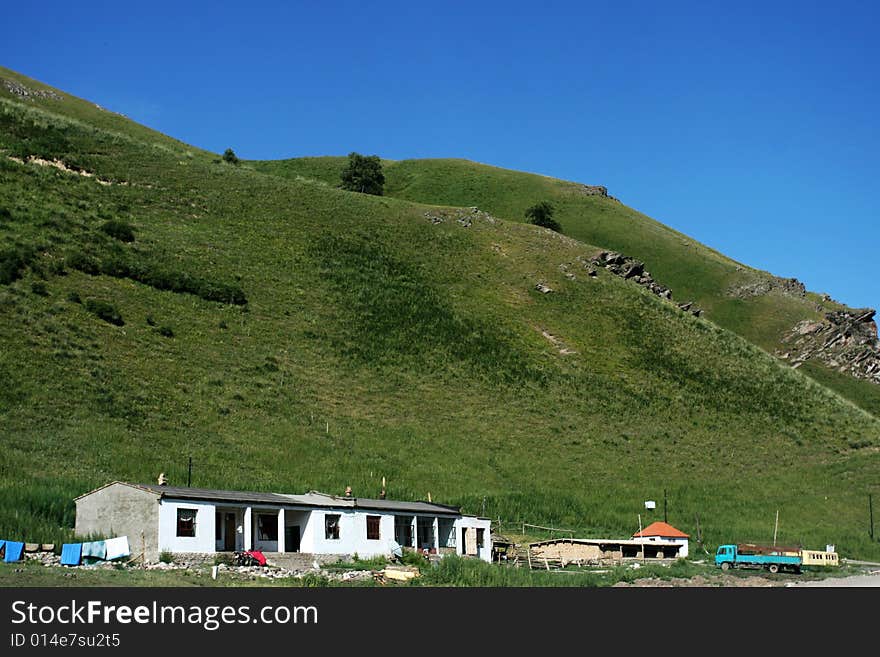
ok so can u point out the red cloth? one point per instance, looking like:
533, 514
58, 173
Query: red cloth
256, 554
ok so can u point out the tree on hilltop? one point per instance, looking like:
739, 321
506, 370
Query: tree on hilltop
363, 174
230, 156
541, 214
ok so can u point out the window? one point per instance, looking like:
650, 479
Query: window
267, 527
373, 528
480, 533
331, 526
186, 522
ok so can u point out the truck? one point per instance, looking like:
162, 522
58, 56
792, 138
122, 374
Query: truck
772, 557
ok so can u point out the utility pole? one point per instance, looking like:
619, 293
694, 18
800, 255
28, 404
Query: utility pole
776, 528
871, 515
665, 519
189, 474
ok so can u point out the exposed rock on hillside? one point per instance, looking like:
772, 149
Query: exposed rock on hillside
632, 269
787, 286
26, 92
846, 340
595, 190
464, 216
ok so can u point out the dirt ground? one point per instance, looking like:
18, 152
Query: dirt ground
870, 578
720, 580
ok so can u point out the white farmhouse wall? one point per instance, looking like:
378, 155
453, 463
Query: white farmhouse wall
678, 547
352, 533
472, 523
203, 541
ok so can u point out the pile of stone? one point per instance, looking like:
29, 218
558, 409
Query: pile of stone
845, 340
791, 287
595, 190
463, 216
26, 92
630, 268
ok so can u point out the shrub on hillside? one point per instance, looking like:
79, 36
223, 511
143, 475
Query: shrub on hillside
230, 157
13, 262
84, 263
119, 230
541, 214
104, 310
363, 174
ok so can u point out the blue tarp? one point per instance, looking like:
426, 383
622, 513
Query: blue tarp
13, 551
70, 554
1, 544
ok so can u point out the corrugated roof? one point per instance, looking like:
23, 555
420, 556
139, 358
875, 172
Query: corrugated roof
661, 529
312, 498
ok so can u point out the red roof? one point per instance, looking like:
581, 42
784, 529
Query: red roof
660, 529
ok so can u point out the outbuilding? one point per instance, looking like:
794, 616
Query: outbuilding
668, 541
161, 518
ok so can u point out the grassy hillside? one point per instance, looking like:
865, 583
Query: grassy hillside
288, 336
693, 271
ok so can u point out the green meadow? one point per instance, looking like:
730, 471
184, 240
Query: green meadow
288, 335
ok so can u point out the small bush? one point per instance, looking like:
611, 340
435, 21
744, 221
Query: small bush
105, 310
12, 263
73, 297
39, 288
166, 331
150, 320
166, 556
119, 230
541, 214
84, 263
230, 157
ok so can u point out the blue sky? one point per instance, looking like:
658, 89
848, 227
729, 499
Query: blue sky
750, 126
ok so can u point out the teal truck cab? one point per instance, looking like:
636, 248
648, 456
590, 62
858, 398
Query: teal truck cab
749, 555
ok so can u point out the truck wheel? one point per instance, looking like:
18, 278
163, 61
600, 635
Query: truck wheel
725, 565
773, 568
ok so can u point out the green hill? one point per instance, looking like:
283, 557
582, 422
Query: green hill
753, 303
290, 336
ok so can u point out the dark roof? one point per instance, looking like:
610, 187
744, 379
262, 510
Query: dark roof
312, 498
395, 505
213, 494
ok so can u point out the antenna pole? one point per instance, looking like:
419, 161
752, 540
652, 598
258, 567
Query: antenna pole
189, 473
665, 519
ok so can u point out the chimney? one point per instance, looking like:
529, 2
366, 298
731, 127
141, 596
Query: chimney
348, 491
163, 480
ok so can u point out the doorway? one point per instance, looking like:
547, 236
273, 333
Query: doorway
229, 533
291, 538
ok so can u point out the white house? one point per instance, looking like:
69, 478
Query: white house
159, 518
660, 535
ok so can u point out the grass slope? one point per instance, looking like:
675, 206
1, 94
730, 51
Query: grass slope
353, 339
693, 271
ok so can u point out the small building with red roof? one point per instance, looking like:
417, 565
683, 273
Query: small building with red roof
664, 534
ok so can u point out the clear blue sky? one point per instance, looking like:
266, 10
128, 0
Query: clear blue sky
752, 127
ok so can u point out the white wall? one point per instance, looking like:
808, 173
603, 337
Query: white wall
203, 541
485, 552
352, 533
679, 546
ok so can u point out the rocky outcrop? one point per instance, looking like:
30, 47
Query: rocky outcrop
595, 190
845, 340
631, 269
788, 286
22, 91
463, 216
